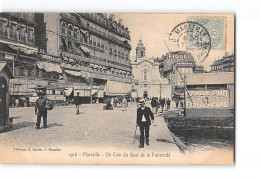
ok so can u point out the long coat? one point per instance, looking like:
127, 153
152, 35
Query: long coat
147, 114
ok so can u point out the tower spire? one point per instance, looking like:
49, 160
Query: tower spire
140, 49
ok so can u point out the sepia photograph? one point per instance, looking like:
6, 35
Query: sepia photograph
117, 88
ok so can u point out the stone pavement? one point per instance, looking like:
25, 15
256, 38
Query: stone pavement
94, 127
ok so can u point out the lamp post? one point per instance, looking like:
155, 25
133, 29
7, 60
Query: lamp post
160, 90
91, 88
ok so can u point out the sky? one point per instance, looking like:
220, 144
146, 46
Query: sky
154, 30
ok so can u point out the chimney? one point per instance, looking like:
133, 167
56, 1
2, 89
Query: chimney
112, 17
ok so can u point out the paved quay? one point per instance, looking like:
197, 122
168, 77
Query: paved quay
94, 127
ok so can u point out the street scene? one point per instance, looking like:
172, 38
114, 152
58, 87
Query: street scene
93, 127
121, 82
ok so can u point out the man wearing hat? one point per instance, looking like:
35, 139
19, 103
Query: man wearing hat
42, 111
144, 117
77, 103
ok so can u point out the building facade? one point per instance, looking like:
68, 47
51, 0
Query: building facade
77, 52
94, 50
210, 94
146, 71
174, 67
226, 64
18, 49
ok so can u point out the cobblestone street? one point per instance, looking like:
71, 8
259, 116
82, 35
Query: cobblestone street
94, 127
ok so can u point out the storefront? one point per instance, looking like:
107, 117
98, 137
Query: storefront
210, 94
22, 91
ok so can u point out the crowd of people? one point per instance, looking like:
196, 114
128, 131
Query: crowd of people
163, 103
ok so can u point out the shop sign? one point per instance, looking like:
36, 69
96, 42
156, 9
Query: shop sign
213, 99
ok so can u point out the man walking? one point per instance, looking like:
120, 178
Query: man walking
144, 117
124, 102
168, 104
162, 102
77, 103
41, 111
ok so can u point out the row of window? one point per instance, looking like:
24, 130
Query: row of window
225, 66
18, 32
73, 31
114, 53
101, 19
84, 37
29, 16
34, 72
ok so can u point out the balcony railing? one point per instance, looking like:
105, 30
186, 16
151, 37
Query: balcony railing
14, 37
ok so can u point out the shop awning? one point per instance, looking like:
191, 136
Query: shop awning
85, 74
73, 73
24, 49
117, 94
85, 49
116, 87
16, 46
49, 67
99, 94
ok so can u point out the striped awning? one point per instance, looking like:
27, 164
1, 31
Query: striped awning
49, 67
73, 73
17, 46
85, 49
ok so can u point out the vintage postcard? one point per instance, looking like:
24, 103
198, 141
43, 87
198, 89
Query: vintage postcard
104, 88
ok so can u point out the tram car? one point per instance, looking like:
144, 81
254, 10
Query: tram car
52, 93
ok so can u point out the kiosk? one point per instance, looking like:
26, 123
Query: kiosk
5, 75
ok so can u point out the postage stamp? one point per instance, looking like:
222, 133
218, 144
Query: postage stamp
216, 27
191, 36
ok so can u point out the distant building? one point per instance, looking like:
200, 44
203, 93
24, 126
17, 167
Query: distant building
226, 64
174, 67
199, 69
146, 71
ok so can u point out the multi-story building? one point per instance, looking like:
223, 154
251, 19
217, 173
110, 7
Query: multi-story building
94, 51
174, 66
226, 64
17, 32
67, 53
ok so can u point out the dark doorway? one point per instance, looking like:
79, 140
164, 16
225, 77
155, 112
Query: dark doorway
3, 107
145, 94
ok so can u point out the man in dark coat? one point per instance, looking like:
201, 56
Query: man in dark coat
144, 117
42, 111
77, 103
162, 103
